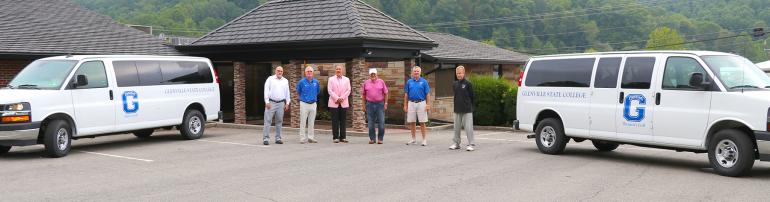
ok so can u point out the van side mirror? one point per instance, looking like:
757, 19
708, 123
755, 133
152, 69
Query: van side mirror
697, 81
82, 80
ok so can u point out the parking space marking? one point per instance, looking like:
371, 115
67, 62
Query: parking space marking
116, 156
530, 142
234, 143
485, 134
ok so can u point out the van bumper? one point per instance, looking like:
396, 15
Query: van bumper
763, 144
19, 134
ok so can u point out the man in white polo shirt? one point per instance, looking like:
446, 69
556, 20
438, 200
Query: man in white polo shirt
276, 103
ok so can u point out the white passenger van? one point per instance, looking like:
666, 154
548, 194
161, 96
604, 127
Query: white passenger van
57, 99
705, 102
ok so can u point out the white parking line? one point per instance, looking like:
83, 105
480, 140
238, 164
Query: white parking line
485, 134
530, 142
234, 143
116, 156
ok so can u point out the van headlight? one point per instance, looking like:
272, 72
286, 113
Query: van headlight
15, 113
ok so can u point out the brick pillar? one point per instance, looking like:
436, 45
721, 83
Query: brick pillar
239, 85
358, 74
293, 71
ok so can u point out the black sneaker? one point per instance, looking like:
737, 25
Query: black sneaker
266, 143
278, 142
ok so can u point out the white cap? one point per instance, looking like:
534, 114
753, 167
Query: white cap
372, 71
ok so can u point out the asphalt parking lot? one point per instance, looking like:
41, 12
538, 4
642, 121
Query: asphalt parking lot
232, 165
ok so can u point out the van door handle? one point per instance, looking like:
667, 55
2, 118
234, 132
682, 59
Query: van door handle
657, 99
620, 98
111, 97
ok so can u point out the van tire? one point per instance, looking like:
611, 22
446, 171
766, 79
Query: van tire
724, 146
193, 125
57, 138
146, 133
4, 149
550, 137
604, 145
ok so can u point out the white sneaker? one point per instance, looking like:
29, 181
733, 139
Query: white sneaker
411, 142
424, 142
454, 146
469, 148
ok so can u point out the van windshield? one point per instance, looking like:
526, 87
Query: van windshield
737, 72
43, 75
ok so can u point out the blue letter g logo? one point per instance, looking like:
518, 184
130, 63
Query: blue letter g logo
130, 102
639, 115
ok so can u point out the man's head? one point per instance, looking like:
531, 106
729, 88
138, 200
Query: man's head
460, 72
373, 74
338, 70
416, 71
309, 72
279, 72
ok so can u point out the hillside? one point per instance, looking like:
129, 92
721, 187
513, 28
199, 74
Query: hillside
533, 26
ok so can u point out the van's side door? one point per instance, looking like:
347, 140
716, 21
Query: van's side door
604, 97
93, 103
635, 101
681, 109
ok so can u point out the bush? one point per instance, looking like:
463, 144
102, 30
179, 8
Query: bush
495, 103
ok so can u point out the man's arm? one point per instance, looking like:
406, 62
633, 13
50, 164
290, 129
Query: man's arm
406, 101
267, 93
330, 89
363, 96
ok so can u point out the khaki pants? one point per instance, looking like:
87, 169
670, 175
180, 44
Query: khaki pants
307, 114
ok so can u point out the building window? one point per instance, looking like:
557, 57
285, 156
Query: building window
445, 78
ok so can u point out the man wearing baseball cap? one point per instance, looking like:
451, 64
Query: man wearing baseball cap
375, 96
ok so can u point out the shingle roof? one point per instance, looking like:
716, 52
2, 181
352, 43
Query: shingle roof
458, 49
55, 27
311, 20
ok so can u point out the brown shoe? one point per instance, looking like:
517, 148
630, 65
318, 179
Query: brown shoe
344, 141
379, 142
371, 142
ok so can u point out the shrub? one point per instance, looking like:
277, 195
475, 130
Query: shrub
495, 103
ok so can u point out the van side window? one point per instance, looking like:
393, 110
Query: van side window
185, 72
149, 73
561, 72
637, 73
94, 71
125, 73
607, 73
678, 72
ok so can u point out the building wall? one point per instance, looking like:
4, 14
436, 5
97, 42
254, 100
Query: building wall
9, 69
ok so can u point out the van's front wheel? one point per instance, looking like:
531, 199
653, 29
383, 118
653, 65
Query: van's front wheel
4, 149
57, 138
550, 136
193, 125
731, 153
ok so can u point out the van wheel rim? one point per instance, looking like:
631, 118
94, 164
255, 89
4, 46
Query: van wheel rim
195, 125
547, 136
62, 139
726, 153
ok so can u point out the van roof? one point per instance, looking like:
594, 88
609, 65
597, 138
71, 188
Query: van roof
697, 53
81, 57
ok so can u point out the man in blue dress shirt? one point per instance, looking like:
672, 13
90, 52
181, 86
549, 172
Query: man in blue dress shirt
417, 104
308, 89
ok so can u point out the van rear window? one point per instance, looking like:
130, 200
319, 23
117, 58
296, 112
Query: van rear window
149, 73
560, 72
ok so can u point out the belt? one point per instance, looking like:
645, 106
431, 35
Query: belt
277, 101
381, 101
416, 101
310, 103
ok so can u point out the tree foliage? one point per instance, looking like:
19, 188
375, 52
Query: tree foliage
664, 38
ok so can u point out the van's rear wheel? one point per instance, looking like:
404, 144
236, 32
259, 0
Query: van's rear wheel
604, 145
4, 149
57, 138
550, 136
193, 125
731, 153
144, 133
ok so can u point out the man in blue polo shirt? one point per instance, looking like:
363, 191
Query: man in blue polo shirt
417, 104
308, 89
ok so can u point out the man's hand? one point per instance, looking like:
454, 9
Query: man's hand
427, 108
405, 109
339, 100
386, 105
268, 106
364, 108
286, 108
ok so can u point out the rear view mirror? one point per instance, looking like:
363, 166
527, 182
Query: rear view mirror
82, 80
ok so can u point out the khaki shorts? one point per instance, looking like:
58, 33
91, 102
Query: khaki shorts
416, 112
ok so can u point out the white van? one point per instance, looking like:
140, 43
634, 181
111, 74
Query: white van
704, 102
57, 99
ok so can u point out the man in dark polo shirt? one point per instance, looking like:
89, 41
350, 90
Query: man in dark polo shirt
463, 101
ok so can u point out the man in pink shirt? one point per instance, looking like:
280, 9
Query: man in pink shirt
339, 90
375, 96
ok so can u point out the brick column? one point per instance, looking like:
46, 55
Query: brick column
293, 71
239, 85
358, 74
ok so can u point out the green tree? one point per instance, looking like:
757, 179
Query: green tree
664, 38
